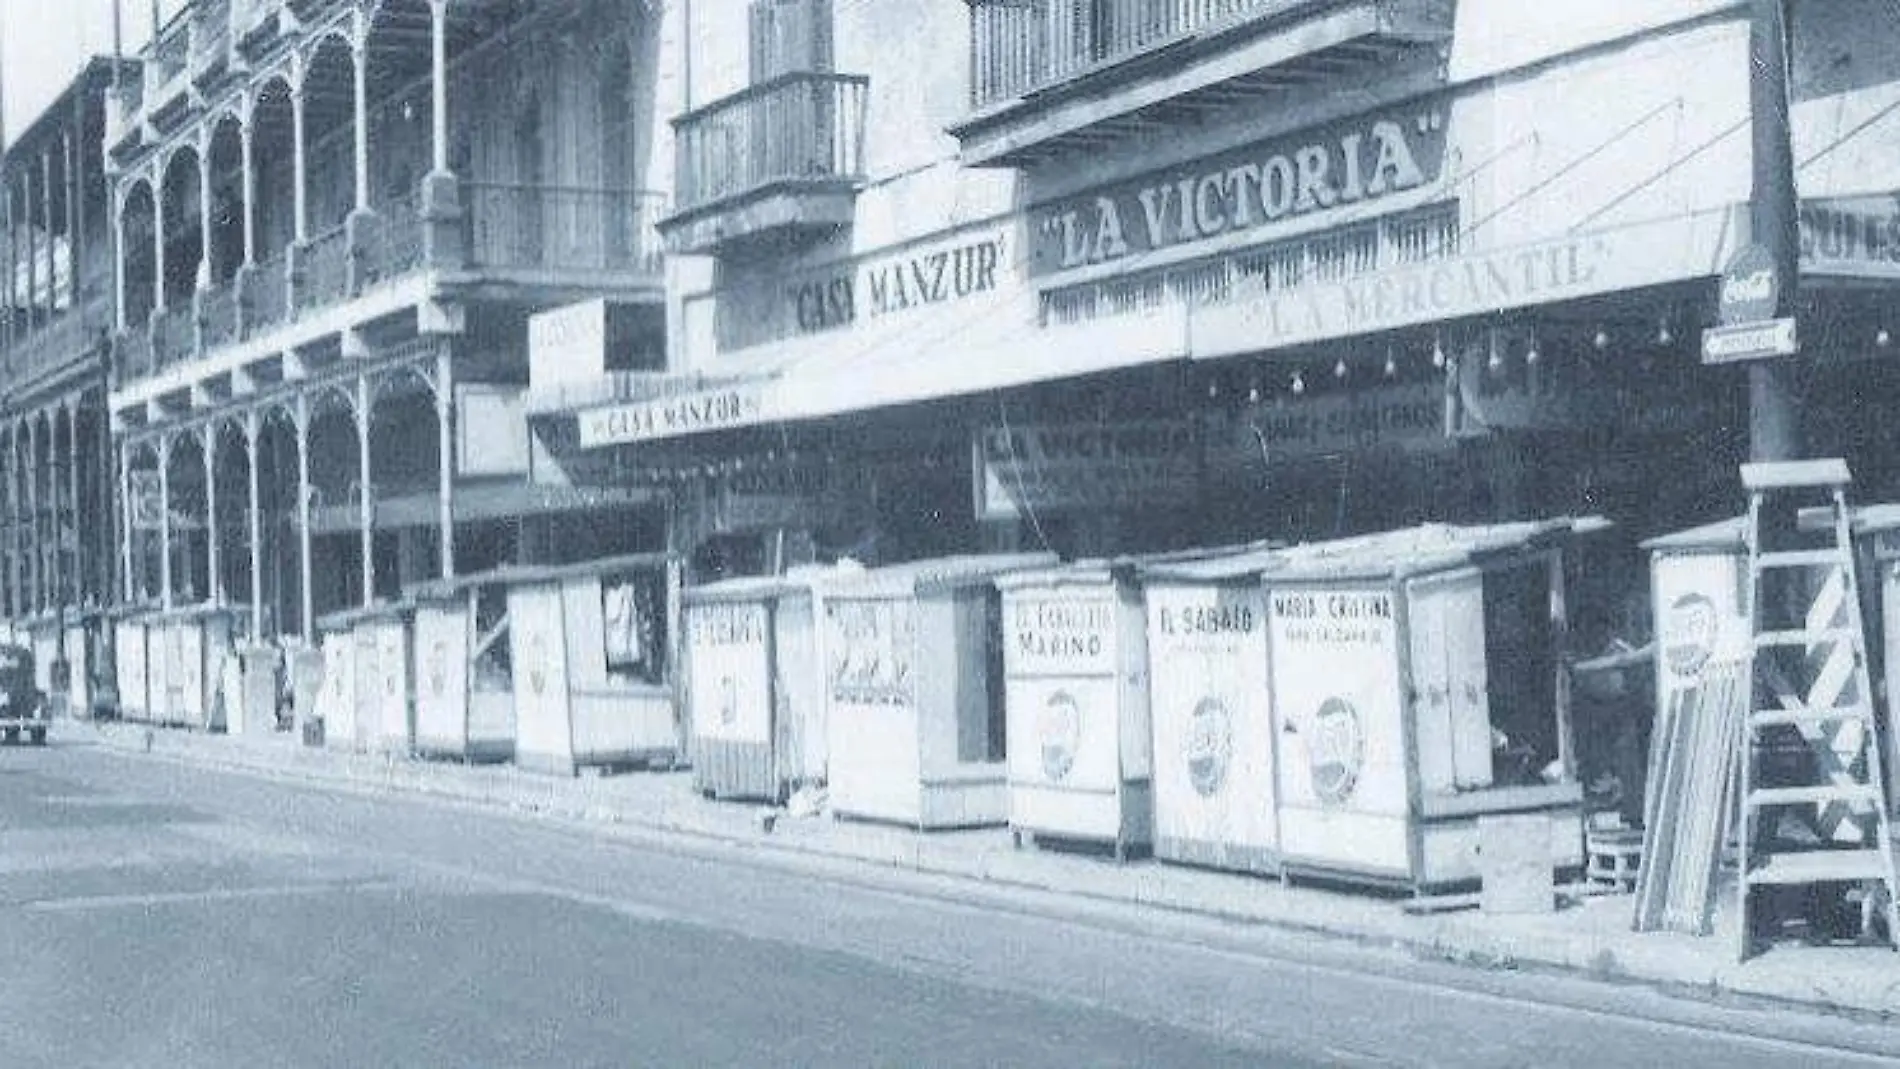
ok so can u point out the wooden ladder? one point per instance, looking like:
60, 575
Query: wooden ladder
1811, 683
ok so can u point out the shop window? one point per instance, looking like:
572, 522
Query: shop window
1520, 655
633, 616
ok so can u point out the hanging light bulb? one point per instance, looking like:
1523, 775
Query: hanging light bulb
1602, 340
1391, 365
1438, 351
1213, 388
1299, 383
1339, 369
1253, 393
1665, 336
1531, 355
1496, 361
1883, 339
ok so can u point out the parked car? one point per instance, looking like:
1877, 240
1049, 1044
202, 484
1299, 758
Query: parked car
24, 711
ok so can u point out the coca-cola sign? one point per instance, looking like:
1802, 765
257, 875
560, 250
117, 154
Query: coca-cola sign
1751, 292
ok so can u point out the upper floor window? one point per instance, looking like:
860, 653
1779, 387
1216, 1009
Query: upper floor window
789, 37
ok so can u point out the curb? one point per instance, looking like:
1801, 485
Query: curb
1496, 954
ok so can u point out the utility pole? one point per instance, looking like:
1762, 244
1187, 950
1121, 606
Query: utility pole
1774, 410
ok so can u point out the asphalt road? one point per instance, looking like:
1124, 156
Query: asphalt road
157, 915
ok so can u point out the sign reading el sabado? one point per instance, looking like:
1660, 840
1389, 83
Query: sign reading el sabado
1358, 160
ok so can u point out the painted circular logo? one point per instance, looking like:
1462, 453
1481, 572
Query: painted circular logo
1689, 634
1209, 747
1337, 751
1060, 730
538, 662
438, 667
728, 702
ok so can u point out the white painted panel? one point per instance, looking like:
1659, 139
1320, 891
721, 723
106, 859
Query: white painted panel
1336, 691
730, 689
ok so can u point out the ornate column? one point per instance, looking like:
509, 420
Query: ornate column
248, 166
126, 509
118, 261
298, 161
445, 450
165, 521
308, 605
32, 249
214, 581
78, 583
253, 428
359, 68
439, 85
46, 226
204, 210
158, 244
37, 562
365, 500
15, 543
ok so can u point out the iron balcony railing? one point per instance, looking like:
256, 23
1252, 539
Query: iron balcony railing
67, 339
269, 298
1021, 46
326, 270
801, 127
218, 316
398, 248
134, 353
174, 336
562, 228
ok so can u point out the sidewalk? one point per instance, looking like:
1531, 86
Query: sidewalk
1591, 935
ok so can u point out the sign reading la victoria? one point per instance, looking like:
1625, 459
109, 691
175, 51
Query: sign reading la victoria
1357, 160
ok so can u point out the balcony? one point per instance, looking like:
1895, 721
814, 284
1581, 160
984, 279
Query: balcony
564, 230
782, 157
1050, 76
168, 66
63, 346
210, 42
125, 112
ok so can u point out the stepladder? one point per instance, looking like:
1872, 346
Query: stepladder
1814, 828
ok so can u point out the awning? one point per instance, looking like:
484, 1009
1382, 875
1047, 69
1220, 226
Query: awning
980, 354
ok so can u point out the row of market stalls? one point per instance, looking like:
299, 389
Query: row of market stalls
1347, 708
1352, 708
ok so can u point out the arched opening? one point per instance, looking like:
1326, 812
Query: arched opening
226, 161
137, 220
144, 517
273, 149
404, 465
231, 466
329, 94
336, 556
277, 504
397, 77
181, 218
186, 484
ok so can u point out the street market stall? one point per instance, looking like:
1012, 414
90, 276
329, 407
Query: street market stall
131, 664
755, 684
369, 672
1415, 686
1081, 742
186, 650
593, 648
465, 702
914, 680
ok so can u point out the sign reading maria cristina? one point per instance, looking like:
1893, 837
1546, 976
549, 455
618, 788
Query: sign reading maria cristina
1335, 685
1048, 467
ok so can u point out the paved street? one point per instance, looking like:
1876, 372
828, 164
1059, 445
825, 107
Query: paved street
157, 915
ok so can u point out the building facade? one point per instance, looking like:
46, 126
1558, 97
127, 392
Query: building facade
55, 455
334, 221
1111, 275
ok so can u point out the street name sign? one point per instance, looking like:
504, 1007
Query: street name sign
1749, 341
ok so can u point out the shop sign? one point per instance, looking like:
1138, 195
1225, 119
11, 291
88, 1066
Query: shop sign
1354, 161
1401, 415
893, 285
1480, 284
1750, 290
1052, 467
870, 643
1750, 341
1856, 237
1338, 649
1061, 635
731, 406
730, 675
